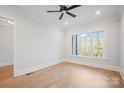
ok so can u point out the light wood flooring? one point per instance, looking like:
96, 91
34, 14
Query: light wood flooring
6, 72
67, 75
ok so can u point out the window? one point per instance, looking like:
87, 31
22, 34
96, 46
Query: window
89, 44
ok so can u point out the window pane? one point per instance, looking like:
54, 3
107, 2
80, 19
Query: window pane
74, 45
100, 48
100, 35
85, 47
85, 44
94, 36
78, 44
98, 44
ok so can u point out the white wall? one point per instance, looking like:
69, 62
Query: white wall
122, 42
38, 45
112, 26
6, 45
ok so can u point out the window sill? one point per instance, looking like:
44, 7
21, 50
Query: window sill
96, 58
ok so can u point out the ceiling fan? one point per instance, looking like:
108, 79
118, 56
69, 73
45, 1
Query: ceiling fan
65, 9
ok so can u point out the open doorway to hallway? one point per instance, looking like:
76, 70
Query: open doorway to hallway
6, 48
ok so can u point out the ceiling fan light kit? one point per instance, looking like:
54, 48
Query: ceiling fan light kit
65, 9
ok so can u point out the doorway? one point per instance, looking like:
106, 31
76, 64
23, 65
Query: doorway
6, 48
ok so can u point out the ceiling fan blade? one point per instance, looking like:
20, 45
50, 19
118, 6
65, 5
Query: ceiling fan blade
54, 11
61, 16
71, 14
61, 6
72, 7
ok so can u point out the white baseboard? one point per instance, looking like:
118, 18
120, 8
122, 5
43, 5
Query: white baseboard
114, 68
33, 69
122, 73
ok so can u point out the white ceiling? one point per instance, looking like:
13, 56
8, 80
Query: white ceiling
85, 13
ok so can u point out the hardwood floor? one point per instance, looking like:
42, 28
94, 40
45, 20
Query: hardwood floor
6, 72
67, 75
